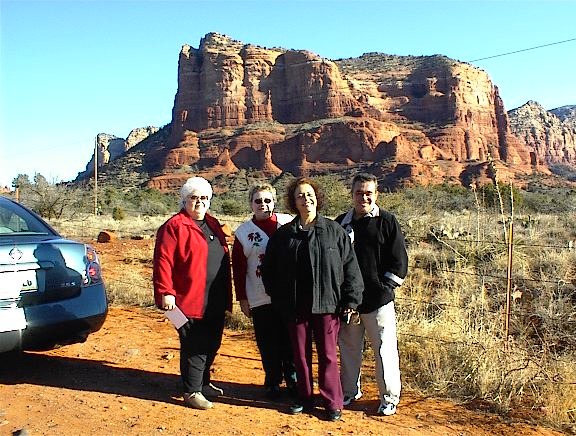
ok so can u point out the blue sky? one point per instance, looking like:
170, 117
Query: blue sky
72, 69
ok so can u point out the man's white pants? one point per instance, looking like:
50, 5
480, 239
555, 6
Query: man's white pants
380, 326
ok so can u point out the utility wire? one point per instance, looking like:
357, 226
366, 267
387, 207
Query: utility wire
524, 49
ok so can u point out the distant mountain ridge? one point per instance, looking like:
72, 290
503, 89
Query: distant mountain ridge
551, 134
407, 119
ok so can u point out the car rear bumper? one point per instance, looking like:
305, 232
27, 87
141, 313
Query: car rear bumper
60, 322
10, 341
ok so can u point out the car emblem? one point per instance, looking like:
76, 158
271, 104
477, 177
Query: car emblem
15, 254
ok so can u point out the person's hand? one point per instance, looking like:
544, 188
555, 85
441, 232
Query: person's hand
245, 307
349, 316
168, 302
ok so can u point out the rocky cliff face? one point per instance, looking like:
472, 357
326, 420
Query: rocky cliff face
225, 83
110, 147
285, 110
550, 135
566, 113
408, 119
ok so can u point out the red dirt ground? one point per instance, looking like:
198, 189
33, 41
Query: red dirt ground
125, 380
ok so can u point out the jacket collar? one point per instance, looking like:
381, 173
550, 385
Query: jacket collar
375, 211
319, 224
188, 220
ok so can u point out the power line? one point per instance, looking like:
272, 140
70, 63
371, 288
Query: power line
524, 49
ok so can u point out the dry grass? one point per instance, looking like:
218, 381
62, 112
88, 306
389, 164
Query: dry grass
452, 311
90, 226
452, 308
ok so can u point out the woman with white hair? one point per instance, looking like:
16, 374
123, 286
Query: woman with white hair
192, 274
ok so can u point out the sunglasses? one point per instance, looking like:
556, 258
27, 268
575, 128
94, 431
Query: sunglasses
196, 197
265, 200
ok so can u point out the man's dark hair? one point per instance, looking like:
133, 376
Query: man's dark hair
364, 177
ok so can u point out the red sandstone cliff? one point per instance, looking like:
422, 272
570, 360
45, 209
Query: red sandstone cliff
410, 119
242, 106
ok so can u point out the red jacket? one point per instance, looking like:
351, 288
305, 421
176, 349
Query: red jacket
180, 260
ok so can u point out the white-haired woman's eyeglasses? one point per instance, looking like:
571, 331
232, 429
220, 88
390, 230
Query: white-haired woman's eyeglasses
198, 197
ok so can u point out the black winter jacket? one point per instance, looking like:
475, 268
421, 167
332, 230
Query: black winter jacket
381, 252
337, 281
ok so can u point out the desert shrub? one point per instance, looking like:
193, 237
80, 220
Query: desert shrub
427, 200
137, 201
234, 203
445, 197
549, 203
491, 197
337, 193
134, 285
118, 213
87, 226
134, 288
232, 207
452, 310
50, 200
236, 320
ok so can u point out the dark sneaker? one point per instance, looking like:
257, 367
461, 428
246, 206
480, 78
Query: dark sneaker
210, 390
349, 400
387, 409
296, 409
299, 407
334, 415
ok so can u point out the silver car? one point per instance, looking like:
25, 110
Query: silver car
51, 288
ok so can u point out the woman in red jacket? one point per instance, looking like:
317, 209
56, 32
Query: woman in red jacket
192, 274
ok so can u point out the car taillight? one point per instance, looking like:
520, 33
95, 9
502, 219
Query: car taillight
93, 272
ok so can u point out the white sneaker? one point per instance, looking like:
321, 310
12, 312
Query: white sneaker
387, 409
197, 401
210, 390
348, 400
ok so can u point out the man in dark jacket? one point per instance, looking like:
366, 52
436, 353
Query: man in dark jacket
381, 253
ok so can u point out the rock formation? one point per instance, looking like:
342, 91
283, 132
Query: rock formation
316, 114
552, 139
424, 119
110, 147
138, 135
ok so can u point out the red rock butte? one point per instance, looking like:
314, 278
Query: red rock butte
409, 119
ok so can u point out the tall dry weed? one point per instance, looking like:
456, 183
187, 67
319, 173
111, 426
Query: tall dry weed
451, 314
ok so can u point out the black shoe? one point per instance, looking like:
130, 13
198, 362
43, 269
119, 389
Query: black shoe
334, 415
296, 409
299, 407
273, 392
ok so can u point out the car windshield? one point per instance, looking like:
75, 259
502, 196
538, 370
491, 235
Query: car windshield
15, 219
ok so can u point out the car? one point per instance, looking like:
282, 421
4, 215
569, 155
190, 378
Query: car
51, 288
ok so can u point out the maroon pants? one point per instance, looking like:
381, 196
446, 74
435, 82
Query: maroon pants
324, 329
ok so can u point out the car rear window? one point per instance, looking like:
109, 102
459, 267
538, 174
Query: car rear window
16, 219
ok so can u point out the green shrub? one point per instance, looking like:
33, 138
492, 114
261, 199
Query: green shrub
337, 194
118, 214
232, 207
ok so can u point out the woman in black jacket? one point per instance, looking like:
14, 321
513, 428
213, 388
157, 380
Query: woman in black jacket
311, 273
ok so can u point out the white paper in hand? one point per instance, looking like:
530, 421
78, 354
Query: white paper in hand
176, 317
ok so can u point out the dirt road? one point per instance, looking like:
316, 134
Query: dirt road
124, 380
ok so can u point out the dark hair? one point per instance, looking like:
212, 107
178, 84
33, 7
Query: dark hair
291, 189
362, 178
